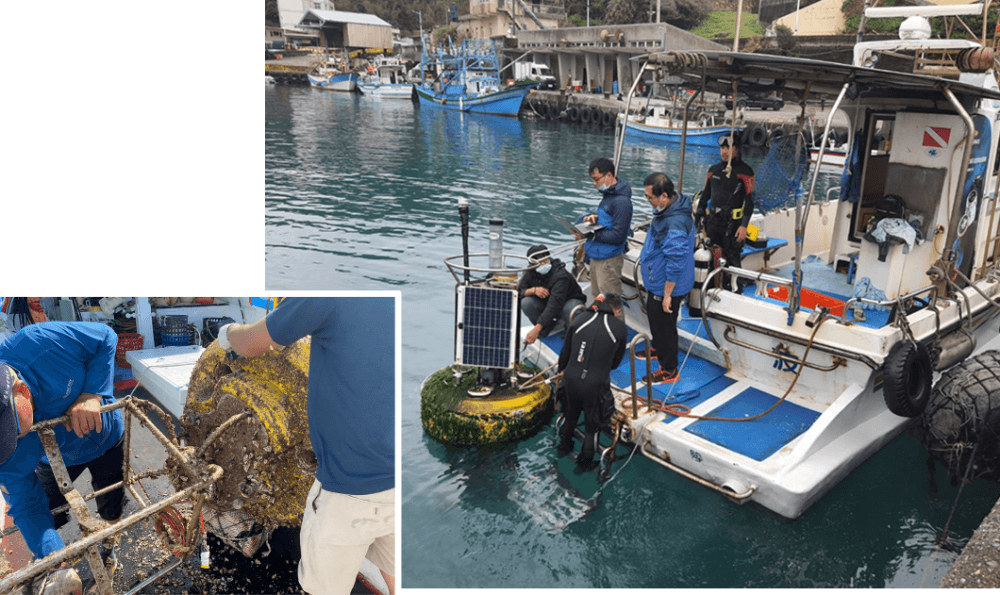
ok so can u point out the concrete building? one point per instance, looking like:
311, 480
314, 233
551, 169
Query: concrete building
494, 18
592, 57
350, 30
290, 13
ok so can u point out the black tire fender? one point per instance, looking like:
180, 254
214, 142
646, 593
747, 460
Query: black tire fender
908, 379
573, 113
585, 115
607, 119
757, 136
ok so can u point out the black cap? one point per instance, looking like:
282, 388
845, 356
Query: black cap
538, 252
8, 417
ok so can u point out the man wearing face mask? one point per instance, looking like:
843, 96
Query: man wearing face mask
667, 260
606, 247
726, 203
548, 293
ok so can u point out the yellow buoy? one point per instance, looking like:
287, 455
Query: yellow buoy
450, 415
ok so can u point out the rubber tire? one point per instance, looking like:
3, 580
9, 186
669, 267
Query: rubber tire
908, 379
573, 113
776, 133
585, 115
607, 119
757, 136
741, 105
545, 110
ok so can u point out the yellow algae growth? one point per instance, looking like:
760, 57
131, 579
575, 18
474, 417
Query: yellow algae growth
267, 458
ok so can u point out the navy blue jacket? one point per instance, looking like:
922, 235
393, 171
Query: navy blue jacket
668, 253
615, 213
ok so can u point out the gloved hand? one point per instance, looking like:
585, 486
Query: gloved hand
224, 338
61, 582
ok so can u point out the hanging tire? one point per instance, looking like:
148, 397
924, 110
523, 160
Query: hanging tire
547, 112
607, 119
907, 385
573, 113
757, 136
776, 133
585, 116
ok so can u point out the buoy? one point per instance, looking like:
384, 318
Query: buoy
267, 458
450, 415
573, 113
962, 417
757, 136
907, 385
702, 267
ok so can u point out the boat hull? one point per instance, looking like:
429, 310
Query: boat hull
346, 82
386, 91
696, 135
502, 103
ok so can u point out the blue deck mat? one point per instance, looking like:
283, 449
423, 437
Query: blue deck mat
762, 437
686, 394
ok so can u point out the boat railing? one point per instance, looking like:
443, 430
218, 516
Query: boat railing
852, 305
712, 293
649, 378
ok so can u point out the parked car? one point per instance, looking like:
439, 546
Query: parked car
766, 102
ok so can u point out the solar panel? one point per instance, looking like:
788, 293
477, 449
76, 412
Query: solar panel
486, 319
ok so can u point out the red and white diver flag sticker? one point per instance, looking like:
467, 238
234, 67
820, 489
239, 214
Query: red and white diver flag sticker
936, 137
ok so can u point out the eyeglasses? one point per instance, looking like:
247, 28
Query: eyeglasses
598, 178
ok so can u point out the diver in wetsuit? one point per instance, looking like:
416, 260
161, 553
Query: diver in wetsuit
595, 344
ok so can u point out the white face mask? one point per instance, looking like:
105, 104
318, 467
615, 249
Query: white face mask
603, 187
544, 269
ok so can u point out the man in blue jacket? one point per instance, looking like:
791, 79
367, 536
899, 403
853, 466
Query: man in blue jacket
49, 370
350, 510
667, 268
606, 247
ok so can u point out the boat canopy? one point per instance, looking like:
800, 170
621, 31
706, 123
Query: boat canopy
763, 73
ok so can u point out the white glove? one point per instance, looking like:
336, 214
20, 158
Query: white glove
224, 338
62, 582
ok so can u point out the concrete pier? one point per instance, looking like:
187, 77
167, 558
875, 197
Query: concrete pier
979, 564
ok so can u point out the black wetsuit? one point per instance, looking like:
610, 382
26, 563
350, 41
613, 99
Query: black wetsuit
595, 344
727, 204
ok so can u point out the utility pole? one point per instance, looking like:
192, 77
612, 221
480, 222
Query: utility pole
420, 19
588, 13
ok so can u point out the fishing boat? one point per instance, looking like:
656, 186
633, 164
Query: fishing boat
386, 79
333, 73
834, 156
861, 316
658, 125
467, 79
160, 343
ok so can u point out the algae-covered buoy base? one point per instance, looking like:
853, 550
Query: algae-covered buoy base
450, 415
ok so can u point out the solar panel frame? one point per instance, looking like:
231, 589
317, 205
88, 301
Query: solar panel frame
486, 323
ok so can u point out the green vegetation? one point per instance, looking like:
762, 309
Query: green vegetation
722, 24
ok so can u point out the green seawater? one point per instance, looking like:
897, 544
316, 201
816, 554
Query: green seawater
362, 194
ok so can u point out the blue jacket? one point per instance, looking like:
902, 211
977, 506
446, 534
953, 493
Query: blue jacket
58, 361
615, 213
668, 253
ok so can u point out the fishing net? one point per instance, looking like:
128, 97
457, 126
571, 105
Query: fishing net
961, 424
779, 179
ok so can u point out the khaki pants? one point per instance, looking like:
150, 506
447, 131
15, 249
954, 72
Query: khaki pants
606, 278
339, 531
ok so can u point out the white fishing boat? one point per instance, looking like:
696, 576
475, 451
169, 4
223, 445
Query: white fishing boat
386, 79
852, 328
333, 73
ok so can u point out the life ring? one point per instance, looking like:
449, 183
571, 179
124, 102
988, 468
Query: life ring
450, 415
907, 385
573, 113
757, 136
607, 119
585, 116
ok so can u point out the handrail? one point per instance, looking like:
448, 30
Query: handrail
649, 374
620, 141
837, 362
887, 303
736, 497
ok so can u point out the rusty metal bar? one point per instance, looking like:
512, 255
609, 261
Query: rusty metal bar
649, 374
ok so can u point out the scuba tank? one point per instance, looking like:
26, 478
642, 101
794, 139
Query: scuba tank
702, 267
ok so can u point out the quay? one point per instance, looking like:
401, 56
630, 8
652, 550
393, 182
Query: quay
978, 566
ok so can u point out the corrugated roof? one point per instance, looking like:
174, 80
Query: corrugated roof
339, 16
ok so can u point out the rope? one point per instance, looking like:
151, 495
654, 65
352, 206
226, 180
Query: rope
678, 410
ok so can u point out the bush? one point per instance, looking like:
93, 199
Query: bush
722, 23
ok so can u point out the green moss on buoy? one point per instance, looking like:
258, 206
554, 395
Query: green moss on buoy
450, 415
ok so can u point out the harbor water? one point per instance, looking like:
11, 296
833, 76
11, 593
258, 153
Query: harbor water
362, 194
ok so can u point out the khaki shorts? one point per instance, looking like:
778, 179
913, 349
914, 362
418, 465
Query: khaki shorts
339, 531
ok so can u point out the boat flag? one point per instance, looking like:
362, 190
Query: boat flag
936, 137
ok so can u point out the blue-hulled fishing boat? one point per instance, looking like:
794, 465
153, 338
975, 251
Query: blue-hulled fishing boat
468, 80
658, 125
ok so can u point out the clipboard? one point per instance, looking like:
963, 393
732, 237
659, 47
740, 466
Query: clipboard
584, 229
